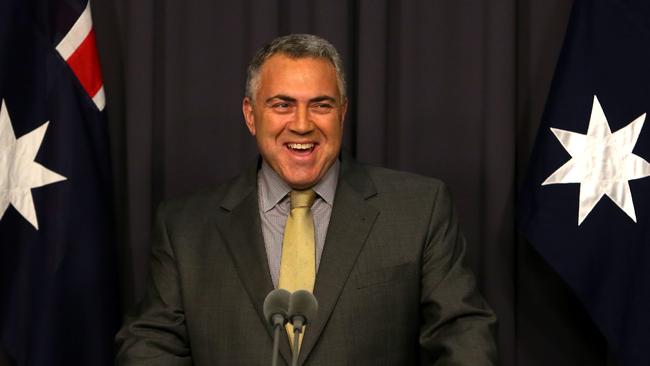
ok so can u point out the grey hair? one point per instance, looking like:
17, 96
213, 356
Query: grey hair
294, 46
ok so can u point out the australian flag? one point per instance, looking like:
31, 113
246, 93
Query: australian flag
58, 281
586, 202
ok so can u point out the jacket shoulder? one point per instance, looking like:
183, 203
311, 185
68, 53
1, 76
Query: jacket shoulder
193, 206
389, 180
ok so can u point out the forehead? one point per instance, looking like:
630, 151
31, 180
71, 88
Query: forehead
287, 75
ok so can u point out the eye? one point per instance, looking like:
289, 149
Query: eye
281, 106
322, 107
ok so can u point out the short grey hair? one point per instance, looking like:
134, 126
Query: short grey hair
294, 46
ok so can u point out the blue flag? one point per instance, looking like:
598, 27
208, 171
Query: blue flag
585, 205
58, 280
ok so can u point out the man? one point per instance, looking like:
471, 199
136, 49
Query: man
384, 256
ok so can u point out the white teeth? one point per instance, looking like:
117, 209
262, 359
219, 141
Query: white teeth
300, 146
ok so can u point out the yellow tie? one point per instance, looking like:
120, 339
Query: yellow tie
298, 263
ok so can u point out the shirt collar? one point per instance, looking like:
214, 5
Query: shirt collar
272, 189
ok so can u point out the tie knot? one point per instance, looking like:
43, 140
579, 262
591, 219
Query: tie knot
302, 198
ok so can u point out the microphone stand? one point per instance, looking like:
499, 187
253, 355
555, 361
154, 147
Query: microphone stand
278, 321
302, 310
297, 329
276, 345
276, 306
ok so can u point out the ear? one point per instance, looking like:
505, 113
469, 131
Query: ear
249, 116
344, 110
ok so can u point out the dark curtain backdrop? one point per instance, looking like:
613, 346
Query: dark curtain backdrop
451, 89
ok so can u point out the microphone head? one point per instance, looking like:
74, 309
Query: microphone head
303, 304
276, 302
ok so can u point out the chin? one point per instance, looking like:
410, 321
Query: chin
301, 182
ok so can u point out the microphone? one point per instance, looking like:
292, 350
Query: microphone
276, 308
302, 310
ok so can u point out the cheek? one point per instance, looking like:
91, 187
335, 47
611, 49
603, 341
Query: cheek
335, 132
270, 126
268, 142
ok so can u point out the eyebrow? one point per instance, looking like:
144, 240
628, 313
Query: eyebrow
287, 98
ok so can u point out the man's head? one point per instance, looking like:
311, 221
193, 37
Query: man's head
295, 105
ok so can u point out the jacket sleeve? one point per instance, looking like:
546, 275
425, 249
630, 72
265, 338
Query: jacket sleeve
155, 333
457, 326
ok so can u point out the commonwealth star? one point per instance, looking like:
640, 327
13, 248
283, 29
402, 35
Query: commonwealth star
602, 162
19, 173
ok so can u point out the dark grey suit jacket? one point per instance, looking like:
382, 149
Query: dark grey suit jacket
392, 286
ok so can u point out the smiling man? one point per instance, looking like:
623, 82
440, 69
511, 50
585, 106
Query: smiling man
380, 249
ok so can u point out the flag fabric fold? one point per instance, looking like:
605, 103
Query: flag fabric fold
585, 204
58, 281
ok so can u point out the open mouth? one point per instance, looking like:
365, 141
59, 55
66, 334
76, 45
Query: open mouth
303, 148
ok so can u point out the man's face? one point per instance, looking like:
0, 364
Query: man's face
297, 118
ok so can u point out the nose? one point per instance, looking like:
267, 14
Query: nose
302, 123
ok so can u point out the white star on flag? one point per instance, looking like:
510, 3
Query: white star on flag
602, 162
19, 173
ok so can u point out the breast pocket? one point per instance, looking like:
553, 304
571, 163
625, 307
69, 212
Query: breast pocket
383, 275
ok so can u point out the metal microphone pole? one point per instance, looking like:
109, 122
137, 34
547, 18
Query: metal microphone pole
296, 344
276, 345
302, 310
276, 307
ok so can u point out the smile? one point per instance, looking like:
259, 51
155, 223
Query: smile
301, 147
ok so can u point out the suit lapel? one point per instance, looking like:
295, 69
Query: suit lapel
239, 225
350, 223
